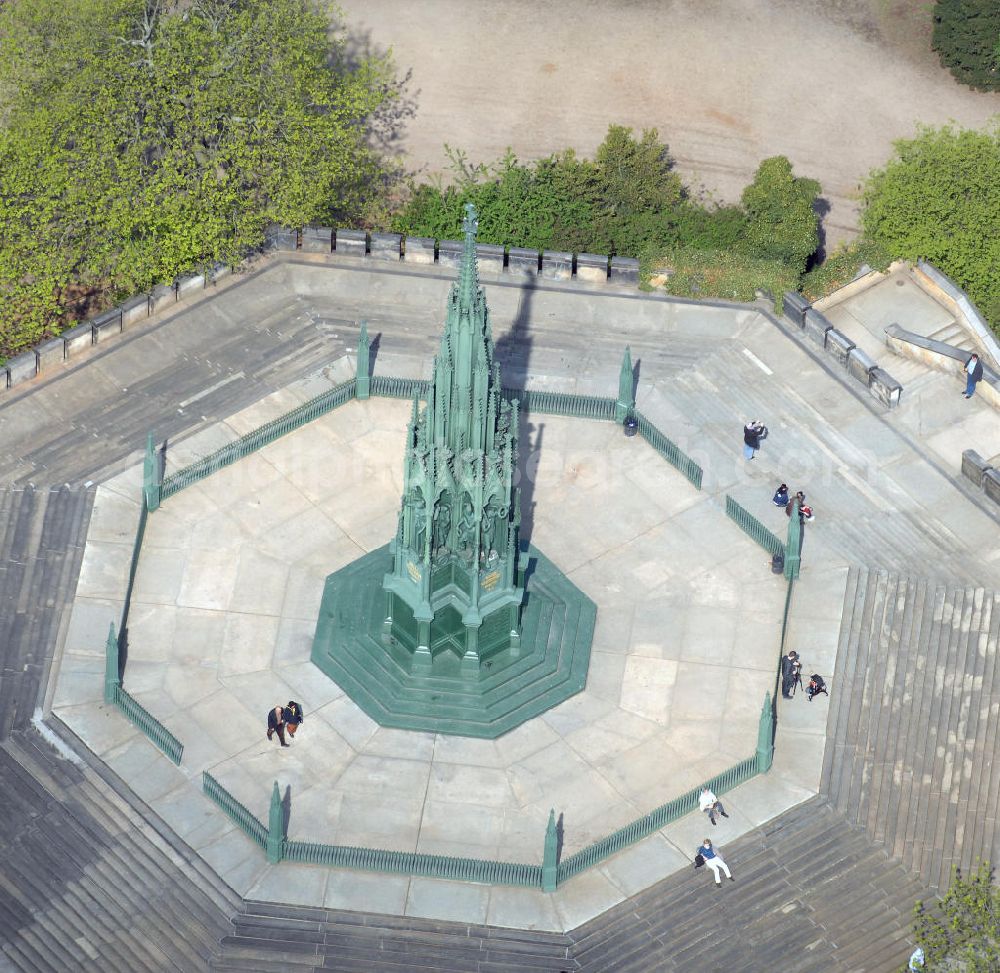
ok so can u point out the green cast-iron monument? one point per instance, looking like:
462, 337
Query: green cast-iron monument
455, 626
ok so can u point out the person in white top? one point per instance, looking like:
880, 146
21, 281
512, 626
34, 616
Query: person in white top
709, 803
973, 375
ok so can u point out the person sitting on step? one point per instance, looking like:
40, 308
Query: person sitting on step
816, 686
709, 803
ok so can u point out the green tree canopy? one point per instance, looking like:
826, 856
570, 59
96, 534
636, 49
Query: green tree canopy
781, 221
939, 199
142, 138
967, 39
962, 933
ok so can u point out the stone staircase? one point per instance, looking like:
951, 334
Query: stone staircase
913, 721
811, 893
285, 939
87, 883
42, 537
955, 335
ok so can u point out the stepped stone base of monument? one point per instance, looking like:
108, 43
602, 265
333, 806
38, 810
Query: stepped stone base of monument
549, 665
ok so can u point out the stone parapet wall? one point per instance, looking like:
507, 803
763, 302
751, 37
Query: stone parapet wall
515, 261
814, 326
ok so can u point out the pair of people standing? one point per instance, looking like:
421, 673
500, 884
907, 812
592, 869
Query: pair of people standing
281, 718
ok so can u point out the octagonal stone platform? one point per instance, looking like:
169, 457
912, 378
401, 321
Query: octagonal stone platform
224, 610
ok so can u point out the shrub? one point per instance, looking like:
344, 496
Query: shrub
841, 267
726, 274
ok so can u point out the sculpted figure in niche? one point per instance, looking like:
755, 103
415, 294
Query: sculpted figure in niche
467, 527
491, 526
442, 522
417, 520
419, 533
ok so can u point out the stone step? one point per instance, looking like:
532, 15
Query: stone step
955, 335
894, 763
268, 934
988, 783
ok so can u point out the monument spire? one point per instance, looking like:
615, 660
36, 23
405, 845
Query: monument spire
469, 288
456, 544
434, 634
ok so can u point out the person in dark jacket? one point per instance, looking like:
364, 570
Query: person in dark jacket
780, 498
753, 432
973, 375
292, 714
790, 667
276, 724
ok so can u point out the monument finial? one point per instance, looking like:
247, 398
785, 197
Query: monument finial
469, 278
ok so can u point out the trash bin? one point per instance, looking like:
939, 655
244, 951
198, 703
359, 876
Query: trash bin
630, 425
778, 563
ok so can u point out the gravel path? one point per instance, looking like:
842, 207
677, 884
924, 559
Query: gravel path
829, 83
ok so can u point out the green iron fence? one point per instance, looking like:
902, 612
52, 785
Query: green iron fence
258, 438
398, 388
751, 526
133, 710
669, 451
237, 812
137, 714
384, 386
547, 876
564, 404
367, 859
414, 863
114, 694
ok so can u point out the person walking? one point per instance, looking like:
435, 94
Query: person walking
753, 432
709, 803
790, 667
276, 724
714, 861
973, 375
